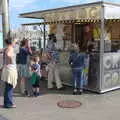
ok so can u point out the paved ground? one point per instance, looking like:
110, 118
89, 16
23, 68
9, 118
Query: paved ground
94, 107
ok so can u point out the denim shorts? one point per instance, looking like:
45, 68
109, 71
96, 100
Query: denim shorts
24, 71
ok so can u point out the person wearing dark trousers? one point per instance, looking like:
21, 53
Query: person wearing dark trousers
76, 61
77, 80
8, 93
9, 73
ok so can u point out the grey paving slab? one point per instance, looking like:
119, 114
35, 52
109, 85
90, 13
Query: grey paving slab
44, 107
94, 107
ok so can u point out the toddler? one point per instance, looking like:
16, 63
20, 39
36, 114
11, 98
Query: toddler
36, 75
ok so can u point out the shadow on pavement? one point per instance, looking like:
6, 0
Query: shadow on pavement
3, 118
43, 90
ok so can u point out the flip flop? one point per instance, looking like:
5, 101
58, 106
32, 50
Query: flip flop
13, 106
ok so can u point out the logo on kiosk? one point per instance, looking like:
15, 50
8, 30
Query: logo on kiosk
112, 62
111, 70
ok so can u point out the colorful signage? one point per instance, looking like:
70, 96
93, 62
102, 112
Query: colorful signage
72, 13
111, 70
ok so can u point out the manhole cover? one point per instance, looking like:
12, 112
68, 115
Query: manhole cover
69, 104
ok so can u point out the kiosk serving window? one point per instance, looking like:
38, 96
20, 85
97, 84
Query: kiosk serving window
83, 35
113, 34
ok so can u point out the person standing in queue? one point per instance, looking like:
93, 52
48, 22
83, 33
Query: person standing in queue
76, 61
25, 50
53, 71
53, 68
9, 73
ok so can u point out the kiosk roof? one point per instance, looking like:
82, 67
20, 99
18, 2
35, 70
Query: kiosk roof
39, 14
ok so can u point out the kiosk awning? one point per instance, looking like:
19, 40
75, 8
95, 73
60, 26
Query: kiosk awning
70, 21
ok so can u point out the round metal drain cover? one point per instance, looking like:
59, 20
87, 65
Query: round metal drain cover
69, 104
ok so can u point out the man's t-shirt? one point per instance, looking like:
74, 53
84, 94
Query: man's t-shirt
24, 52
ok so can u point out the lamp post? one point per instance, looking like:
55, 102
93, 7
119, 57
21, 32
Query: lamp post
5, 20
44, 29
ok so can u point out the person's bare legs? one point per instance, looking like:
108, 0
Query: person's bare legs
23, 85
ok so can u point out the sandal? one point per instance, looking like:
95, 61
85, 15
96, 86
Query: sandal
13, 106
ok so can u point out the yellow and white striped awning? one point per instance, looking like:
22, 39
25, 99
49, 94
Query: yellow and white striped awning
72, 22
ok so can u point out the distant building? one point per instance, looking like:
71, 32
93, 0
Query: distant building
35, 36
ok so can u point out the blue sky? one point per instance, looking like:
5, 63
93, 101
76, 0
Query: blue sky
21, 6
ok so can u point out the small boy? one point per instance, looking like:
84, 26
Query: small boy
35, 78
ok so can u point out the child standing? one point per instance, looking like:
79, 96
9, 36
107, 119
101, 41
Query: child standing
35, 78
76, 61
